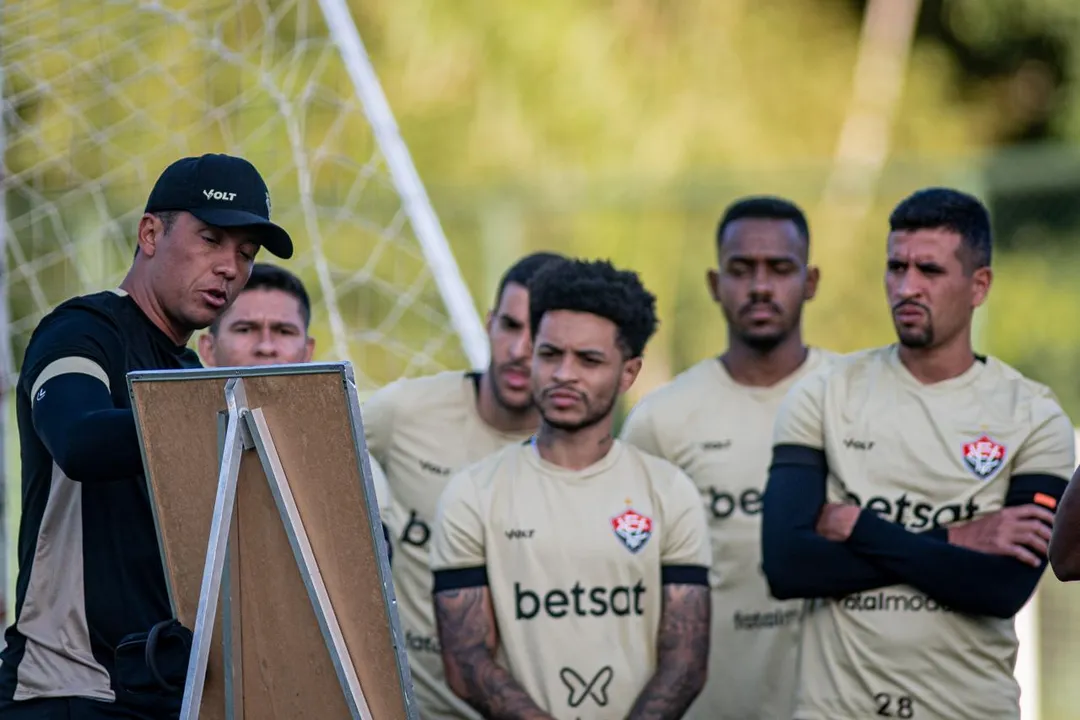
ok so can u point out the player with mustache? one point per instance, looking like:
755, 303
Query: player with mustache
912, 493
420, 431
571, 572
715, 421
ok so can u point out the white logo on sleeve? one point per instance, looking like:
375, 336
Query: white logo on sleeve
218, 195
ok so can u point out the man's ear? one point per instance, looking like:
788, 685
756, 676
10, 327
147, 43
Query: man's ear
813, 277
309, 350
150, 230
981, 279
712, 282
630, 371
206, 349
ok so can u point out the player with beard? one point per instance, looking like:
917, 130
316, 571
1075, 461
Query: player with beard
571, 572
421, 430
715, 421
912, 491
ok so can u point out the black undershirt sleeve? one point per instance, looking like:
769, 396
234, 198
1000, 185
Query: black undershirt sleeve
89, 438
964, 580
797, 562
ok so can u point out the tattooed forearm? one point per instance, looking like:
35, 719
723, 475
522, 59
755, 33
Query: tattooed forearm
469, 638
682, 655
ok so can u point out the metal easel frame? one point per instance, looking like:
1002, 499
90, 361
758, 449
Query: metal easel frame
243, 428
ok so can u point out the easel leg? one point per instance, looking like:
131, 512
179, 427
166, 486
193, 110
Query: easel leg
230, 608
236, 438
309, 569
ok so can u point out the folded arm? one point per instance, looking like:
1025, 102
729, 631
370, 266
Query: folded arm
797, 561
682, 647
89, 438
965, 580
469, 638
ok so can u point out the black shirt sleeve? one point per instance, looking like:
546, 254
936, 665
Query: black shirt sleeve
74, 415
799, 563
964, 580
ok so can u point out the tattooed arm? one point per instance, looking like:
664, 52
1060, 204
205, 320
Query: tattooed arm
682, 654
469, 637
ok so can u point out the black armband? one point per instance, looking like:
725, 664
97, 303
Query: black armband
1040, 489
461, 578
684, 575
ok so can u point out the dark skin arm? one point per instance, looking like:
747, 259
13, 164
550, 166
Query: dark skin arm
469, 638
682, 655
1065, 540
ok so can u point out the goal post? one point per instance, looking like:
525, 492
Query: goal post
97, 98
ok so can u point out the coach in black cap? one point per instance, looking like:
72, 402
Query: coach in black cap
91, 585
223, 191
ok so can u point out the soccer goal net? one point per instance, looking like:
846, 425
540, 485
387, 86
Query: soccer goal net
99, 97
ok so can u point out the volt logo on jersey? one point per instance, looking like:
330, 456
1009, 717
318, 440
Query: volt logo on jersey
984, 457
632, 529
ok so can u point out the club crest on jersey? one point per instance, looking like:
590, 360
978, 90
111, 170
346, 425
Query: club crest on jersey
632, 528
984, 457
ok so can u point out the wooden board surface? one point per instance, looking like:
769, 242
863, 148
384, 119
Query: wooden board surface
286, 668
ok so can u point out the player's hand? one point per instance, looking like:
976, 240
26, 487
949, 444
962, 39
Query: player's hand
837, 520
1021, 532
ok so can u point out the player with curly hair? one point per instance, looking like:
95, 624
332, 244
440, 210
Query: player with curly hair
571, 572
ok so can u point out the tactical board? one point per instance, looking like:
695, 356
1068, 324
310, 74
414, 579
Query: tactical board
271, 654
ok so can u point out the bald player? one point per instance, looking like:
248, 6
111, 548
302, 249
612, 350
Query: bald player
423, 430
268, 324
571, 572
912, 492
715, 421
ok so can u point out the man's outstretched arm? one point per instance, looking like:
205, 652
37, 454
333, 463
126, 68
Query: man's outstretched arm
682, 653
469, 638
796, 560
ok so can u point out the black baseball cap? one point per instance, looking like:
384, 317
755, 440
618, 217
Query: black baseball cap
224, 191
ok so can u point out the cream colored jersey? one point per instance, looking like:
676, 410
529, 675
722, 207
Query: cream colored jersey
920, 456
421, 431
575, 562
720, 433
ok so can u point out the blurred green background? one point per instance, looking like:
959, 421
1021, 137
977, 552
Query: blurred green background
615, 129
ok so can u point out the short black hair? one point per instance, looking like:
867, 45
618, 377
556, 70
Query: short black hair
942, 208
265, 276
522, 272
763, 207
598, 288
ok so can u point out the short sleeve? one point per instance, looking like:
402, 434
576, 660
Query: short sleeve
640, 431
382, 487
799, 421
1051, 447
686, 528
378, 417
457, 538
72, 340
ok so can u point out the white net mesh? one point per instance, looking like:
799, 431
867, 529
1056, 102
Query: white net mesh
99, 97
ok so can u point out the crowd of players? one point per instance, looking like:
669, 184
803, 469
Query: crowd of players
779, 533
